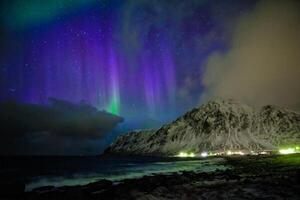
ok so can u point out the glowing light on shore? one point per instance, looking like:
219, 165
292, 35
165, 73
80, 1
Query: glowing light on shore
185, 155
287, 151
204, 154
213, 154
229, 153
191, 155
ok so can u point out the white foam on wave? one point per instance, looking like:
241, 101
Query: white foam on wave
129, 172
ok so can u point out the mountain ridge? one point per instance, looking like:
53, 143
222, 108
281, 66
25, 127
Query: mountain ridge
219, 125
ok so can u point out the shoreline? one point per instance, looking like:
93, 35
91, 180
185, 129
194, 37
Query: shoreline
250, 177
152, 166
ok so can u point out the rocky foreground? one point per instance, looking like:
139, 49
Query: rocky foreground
250, 177
217, 126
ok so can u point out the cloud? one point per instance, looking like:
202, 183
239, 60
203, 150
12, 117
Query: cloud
262, 65
29, 128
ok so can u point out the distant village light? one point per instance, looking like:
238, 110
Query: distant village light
287, 151
229, 153
204, 154
185, 155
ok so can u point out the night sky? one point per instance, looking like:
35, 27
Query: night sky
139, 59
127, 57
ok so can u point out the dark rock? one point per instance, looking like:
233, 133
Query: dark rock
96, 186
43, 189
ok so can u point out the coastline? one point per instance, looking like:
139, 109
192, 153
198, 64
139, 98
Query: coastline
250, 177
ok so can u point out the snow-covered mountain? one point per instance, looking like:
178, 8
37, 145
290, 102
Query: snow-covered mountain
219, 125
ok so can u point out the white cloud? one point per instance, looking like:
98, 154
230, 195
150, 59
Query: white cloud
262, 65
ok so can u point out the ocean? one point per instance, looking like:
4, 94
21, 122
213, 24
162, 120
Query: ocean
38, 171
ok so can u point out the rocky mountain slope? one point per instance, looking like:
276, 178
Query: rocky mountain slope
219, 125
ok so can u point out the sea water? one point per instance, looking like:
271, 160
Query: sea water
38, 171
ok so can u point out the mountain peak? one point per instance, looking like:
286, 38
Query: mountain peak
225, 106
219, 125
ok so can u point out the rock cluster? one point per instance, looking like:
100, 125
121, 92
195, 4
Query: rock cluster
251, 177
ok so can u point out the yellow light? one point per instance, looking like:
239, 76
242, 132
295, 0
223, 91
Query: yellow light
229, 153
192, 155
297, 148
184, 155
204, 154
287, 151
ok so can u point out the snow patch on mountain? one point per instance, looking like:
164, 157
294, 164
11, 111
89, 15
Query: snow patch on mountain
219, 125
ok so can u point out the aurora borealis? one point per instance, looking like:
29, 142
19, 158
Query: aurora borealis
131, 58
146, 61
